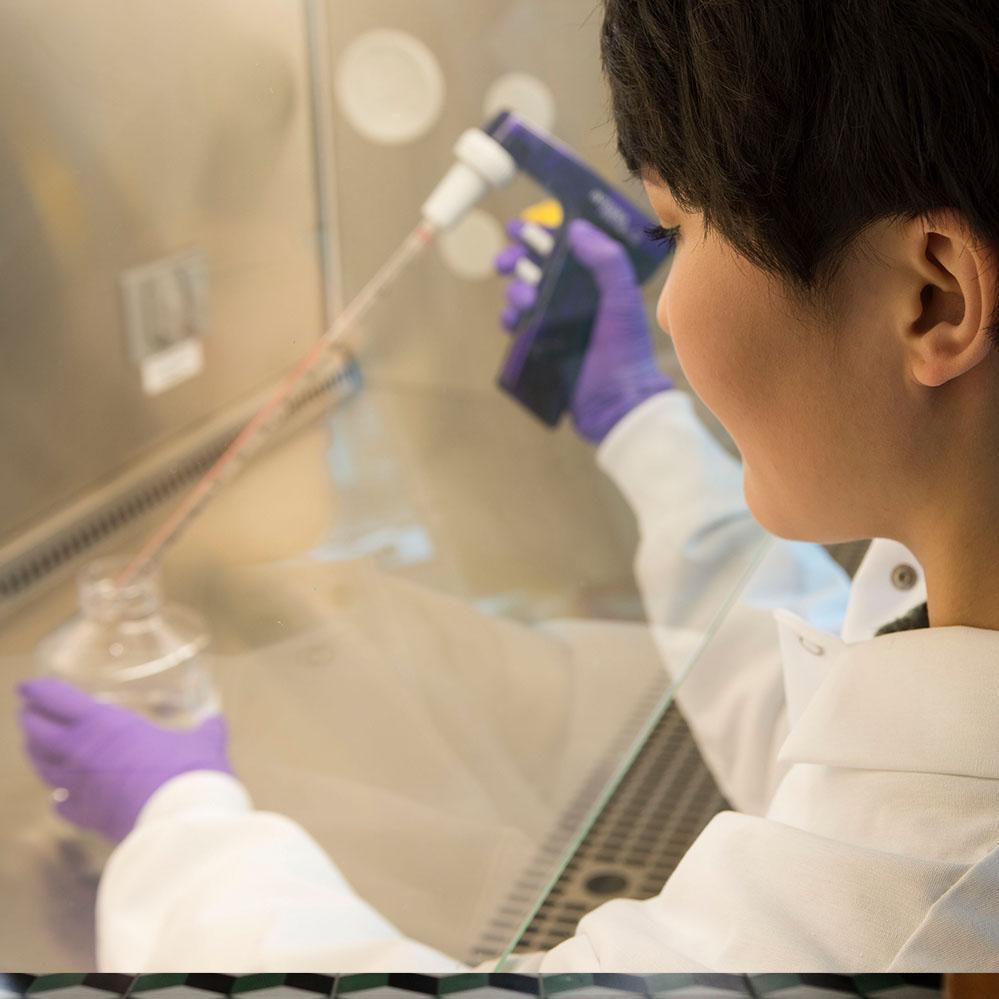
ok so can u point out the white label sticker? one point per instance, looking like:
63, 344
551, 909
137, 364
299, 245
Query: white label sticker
167, 368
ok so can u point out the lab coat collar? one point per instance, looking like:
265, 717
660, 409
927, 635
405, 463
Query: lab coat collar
916, 701
876, 597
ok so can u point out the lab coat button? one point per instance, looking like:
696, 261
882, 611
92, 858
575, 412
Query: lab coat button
809, 646
904, 577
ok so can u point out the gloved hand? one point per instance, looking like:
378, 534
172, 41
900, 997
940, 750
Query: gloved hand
619, 371
109, 760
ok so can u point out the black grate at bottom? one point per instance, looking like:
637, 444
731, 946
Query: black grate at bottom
659, 809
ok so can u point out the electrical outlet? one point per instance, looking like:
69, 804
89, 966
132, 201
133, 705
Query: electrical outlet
166, 315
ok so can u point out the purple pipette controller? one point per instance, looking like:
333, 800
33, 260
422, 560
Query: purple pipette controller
544, 362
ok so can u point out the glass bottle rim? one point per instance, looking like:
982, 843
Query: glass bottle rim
102, 599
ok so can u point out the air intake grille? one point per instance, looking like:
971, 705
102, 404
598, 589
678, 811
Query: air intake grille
18, 575
665, 800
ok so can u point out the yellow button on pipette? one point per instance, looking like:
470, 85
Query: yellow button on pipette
547, 213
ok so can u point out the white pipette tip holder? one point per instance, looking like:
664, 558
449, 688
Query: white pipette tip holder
482, 165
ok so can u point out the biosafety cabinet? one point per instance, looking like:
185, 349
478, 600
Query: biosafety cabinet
426, 631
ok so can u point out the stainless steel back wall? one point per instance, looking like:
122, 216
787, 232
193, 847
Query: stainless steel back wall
131, 130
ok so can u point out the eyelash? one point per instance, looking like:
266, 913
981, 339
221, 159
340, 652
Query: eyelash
660, 234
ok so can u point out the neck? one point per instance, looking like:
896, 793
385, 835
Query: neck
955, 502
960, 557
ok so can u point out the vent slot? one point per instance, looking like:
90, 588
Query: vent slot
27, 570
660, 807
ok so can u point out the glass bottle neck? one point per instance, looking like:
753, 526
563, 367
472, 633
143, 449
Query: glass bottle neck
103, 600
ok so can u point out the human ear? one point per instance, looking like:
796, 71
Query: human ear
957, 292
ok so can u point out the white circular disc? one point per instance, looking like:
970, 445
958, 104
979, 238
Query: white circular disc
523, 94
389, 86
471, 246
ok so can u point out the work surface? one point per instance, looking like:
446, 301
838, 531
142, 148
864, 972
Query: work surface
432, 750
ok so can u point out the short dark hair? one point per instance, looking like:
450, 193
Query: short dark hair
795, 124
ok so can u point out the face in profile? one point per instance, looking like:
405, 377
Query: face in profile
817, 409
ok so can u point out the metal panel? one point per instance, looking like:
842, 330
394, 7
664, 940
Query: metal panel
130, 131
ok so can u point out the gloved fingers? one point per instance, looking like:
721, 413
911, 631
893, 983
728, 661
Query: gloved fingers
539, 239
509, 318
520, 295
49, 737
76, 811
602, 255
57, 699
529, 239
506, 259
215, 732
514, 227
51, 771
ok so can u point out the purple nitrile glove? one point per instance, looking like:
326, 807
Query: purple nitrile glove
619, 371
109, 760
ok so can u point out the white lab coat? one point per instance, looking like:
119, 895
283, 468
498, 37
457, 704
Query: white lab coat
864, 771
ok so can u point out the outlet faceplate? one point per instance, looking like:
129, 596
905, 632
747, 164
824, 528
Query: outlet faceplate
166, 315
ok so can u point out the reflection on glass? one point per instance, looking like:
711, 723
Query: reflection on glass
431, 650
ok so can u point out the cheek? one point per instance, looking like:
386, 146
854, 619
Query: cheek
728, 344
706, 344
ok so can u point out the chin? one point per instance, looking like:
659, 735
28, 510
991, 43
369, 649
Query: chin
775, 518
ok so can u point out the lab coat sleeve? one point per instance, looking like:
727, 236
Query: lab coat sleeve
685, 491
205, 883
697, 539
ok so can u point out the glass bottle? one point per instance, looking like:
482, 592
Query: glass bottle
128, 648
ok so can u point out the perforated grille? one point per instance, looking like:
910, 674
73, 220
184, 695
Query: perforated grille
18, 575
665, 800
659, 809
